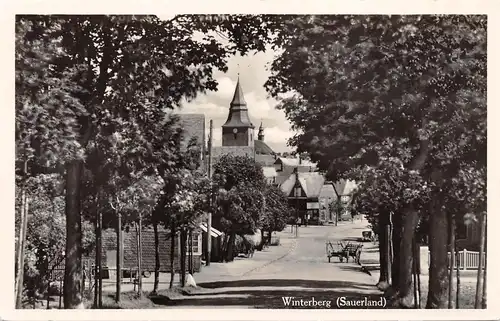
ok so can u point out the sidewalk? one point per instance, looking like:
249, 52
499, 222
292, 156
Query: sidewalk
219, 271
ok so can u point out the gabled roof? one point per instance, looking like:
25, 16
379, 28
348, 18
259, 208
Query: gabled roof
310, 182
345, 187
264, 160
262, 148
327, 191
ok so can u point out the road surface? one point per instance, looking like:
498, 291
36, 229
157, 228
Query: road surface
298, 268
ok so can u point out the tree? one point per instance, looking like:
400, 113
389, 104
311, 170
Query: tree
240, 181
386, 86
115, 72
276, 211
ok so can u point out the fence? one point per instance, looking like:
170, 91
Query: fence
466, 260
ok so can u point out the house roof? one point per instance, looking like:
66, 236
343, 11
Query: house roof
262, 148
265, 160
193, 125
327, 191
345, 187
294, 162
213, 231
269, 171
310, 182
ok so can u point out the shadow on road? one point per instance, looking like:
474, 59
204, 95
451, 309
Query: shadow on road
283, 283
273, 299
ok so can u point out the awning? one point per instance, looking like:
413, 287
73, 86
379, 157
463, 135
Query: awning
214, 232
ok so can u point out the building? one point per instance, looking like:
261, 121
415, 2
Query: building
130, 259
303, 191
238, 137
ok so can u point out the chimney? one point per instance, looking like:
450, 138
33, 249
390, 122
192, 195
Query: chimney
300, 160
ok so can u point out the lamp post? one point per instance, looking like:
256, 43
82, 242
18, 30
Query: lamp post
297, 193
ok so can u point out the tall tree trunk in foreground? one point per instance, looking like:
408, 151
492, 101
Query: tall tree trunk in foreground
438, 247
393, 290
479, 284
383, 239
119, 257
157, 257
451, 221
139, 249
73, 265
409, 224
173, 236
483, 303
457, 298
183, 247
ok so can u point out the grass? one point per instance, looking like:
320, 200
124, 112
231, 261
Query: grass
130, 300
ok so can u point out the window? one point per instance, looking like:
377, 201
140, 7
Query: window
196, 243
297, 192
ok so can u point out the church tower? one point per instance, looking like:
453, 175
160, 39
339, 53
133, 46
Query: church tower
238, 129
261, 133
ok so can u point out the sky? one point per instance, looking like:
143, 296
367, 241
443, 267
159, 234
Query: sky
253, 73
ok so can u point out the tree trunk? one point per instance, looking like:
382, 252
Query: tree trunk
119, 257
21, 249
96, 266
393, 290
99, 262
483, 303
225, 241
383, 282
270, 236
452, 259
262, 240
457, 299
139, 272
73, 264
173, 235
230, 247
438, 270
157, 257
183, 246
479, 284
409, 223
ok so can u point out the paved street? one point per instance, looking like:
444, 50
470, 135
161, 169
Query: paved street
298, 268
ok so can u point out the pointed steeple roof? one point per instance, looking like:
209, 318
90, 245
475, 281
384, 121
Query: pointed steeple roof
238, 98
238, 111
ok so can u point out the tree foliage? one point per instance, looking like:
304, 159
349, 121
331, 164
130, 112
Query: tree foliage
397, 103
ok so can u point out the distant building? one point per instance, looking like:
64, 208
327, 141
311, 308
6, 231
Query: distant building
238, 137
303, 190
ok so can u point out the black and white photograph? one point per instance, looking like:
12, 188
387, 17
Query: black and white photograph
250, 161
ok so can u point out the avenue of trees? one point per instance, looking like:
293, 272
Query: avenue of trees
96, 143
398, 104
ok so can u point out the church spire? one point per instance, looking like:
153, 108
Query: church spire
238, 98
238, 111
261, 132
